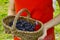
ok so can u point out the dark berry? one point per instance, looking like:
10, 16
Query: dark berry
24, 25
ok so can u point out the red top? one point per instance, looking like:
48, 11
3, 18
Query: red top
41, 10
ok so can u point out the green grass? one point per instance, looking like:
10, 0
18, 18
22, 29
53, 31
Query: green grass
57, 27
3, 12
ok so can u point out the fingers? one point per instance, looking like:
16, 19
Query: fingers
44, 35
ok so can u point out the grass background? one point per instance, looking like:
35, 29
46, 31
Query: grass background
3, 12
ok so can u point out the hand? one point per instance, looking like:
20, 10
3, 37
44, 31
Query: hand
43, 35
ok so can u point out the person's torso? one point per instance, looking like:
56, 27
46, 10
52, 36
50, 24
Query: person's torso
41, 10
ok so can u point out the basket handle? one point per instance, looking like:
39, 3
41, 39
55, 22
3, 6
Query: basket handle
18, 15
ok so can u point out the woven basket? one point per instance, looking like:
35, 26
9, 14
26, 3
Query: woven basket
25, 35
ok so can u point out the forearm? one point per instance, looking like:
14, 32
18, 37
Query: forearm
52, 22
11, 12
11, 9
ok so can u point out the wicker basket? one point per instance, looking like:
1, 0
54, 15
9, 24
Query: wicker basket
25, 35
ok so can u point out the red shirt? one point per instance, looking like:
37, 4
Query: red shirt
41, 10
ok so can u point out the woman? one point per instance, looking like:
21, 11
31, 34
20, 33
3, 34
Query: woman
41, 10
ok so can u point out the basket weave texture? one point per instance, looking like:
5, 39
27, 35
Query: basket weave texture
25, 35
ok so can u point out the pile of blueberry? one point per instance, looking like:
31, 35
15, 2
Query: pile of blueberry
24, 25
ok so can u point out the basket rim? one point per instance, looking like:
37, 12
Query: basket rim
21, 30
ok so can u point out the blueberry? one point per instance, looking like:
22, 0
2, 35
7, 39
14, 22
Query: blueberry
21, 28
18, 22
27, 27
24, 25
33, 26
31, 29
18, 26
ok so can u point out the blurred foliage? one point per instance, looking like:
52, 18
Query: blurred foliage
3, 13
